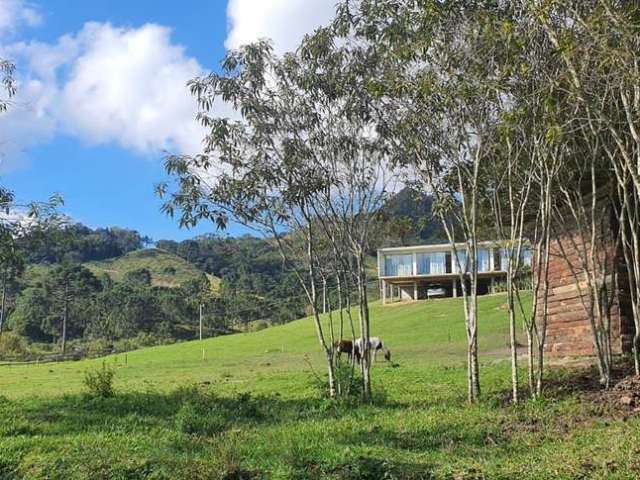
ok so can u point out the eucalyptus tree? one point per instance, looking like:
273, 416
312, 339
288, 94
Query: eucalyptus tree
438, 102
603, 72
258, 170
596, 43
353, 154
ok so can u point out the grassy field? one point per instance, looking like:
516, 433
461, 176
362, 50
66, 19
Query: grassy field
167, 269
254, 409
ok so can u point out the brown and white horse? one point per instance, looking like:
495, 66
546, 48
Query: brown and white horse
376, 345
346, 346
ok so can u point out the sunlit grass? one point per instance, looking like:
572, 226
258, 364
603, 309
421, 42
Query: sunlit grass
253, 409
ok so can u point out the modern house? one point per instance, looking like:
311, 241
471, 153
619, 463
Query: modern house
427, 271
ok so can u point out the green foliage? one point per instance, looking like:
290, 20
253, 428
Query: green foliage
260, 325
99, 383
140, 276
196, 420
203, 413
12, 345
78, 243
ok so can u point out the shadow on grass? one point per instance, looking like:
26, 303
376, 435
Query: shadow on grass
191, 410
442, 436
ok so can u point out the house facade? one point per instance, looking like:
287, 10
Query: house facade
429, 271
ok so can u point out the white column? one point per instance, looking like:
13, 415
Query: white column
491, 259
415, 290
455, 288
415, 264
493, 287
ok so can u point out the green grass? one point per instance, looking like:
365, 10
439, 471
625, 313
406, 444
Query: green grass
253, 409
167, 269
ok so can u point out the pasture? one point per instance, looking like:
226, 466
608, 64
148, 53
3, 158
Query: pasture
253, 408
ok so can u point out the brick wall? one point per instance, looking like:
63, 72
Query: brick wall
569, 331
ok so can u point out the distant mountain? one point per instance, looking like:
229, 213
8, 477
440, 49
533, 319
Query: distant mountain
411, 219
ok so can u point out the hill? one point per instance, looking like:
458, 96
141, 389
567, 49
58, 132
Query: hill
417, 208
417, 334
167, 269
252, 409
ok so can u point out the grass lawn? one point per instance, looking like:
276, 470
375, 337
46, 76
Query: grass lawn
253, 409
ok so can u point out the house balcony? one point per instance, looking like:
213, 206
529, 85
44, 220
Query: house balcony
428, 271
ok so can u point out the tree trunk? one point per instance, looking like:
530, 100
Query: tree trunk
512, 339
4, 298
65, 316
324, 295
340, 305
364, 329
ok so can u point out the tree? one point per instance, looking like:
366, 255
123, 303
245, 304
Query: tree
33, 308
267, 181
596, 44
438, 104
140, 276
71, 288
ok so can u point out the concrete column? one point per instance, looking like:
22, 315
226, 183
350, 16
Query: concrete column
415, 290
455, 288
415, 264
492, 289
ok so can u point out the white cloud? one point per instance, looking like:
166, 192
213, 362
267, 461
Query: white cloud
126, 86
283, 21
17, 13
129, 86
104, 85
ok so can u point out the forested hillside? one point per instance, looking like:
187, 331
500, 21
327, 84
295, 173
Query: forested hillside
78, 289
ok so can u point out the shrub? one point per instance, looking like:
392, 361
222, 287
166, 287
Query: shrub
193, 419
260, 325
100, 382
12, 345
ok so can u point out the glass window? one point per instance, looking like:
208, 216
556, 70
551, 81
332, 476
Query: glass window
497, 260
423, 263
483, 261
439, 263
504, 259
462, 261
398, 265
431, 263
525, 255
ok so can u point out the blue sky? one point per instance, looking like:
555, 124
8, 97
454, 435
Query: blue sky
102, 95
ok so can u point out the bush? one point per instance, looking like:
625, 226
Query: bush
12, 345
260, 325
193, 419
202, 412
100, 382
